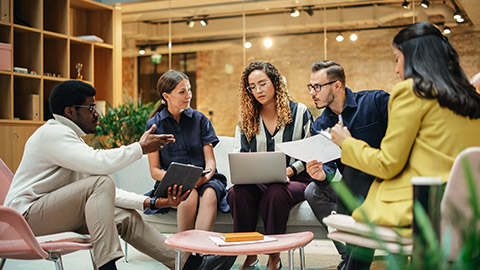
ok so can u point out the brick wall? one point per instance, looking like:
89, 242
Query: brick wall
368, 64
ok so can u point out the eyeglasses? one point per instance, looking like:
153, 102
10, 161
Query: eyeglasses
92, 108
262, 86
318, 87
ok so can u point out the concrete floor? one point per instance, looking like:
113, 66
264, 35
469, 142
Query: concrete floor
319, 254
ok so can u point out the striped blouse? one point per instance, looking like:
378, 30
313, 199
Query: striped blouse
298, 129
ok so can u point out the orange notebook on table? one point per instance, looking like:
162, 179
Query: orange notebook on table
241, 236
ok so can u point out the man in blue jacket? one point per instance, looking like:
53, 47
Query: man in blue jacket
365, 115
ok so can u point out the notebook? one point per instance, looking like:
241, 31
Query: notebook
257, 168
180, 174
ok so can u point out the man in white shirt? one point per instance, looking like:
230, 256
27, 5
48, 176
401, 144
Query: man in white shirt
62, 184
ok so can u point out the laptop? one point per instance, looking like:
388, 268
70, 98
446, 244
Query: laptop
180, 174
257, 168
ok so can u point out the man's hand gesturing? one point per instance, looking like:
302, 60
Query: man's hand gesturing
153, 142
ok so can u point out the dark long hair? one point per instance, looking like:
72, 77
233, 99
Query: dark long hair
433, 64
165, 84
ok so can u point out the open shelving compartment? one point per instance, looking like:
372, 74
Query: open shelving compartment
55, 16
29, 43
6, 93
81, 53
103, 73
27, 13
6, 96
90, 18
56, 51
27, 96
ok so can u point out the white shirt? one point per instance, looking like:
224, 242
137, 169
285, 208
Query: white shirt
56, 155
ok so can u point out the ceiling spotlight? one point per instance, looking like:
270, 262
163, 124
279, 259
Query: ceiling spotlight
457, 15
460, 20
190, 22
204, 21
295, 13
309, 11
425, 3
339, 38
247, 45
268, 42
447, 30
353, 37
141, 51
405, 4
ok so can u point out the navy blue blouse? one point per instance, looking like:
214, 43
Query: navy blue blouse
365, 113
192, 132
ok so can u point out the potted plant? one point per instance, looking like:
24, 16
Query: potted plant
122, 125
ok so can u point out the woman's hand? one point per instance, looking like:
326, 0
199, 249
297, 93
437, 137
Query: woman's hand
202, 180
339, 134
315, 170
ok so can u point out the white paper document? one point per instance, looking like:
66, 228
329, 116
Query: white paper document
219, 241
317, 147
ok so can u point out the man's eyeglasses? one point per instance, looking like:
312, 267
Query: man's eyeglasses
262, 86
92, 108
318, 87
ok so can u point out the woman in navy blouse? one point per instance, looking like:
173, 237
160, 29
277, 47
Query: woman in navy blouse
194, 142
268, 116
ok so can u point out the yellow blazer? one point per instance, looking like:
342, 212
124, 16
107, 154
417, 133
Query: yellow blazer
422, 139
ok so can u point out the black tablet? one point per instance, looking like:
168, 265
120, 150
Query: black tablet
180, 174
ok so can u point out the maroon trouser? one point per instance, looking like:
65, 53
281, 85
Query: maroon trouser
273, 201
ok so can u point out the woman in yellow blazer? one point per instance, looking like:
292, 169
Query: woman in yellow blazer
432, 116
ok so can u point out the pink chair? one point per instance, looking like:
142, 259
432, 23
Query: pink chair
456, 207
17, 240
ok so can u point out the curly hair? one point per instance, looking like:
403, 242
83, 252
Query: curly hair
250, 107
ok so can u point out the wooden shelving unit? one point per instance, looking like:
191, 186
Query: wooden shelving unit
44, 40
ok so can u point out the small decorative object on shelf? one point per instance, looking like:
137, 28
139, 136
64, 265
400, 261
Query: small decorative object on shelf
20, 70
79, 67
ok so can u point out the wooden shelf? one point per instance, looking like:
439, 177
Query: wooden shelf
27, 28
54, 34
45, 41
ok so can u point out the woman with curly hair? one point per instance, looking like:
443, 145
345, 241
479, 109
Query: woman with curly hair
268, 116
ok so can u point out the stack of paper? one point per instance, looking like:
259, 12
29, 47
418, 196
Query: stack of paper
219, 242
317, 147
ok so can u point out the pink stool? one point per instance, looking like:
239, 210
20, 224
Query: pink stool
197, 241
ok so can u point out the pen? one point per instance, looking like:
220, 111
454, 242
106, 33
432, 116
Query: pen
340, 120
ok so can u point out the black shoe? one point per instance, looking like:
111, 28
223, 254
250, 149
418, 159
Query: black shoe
193, 262
342, 265
217, 262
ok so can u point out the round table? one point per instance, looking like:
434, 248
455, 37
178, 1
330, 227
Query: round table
198, 241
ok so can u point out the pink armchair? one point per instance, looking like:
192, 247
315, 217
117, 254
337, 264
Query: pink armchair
17, 240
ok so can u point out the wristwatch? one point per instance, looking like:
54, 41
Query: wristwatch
152, 203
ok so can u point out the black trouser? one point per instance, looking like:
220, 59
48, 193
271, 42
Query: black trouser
358, 258
323, 199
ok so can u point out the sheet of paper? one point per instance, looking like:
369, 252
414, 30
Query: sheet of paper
219, 242
317, 147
